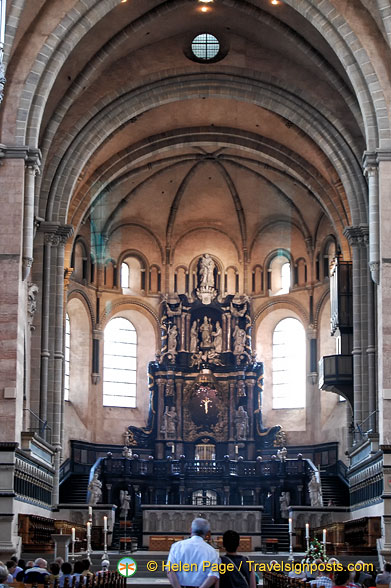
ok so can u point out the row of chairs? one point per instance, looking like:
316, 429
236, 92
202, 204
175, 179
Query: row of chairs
102, 580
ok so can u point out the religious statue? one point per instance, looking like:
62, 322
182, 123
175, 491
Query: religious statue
170, 388
238, 305
285, 500
206, 332
207, 266
315, 490
170, 419
124, 501
239, 336
32, 303
241, 389
194, 337
241, 424
218, 338
95, 490
172, 339
282, 454
127, 452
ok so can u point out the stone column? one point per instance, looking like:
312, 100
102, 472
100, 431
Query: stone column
250, 403
371, 172
355, 238
50, 239
32, 168
64, 232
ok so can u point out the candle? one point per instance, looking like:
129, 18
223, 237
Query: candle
90, 512
290, 525
324, 536
73, 534
105, 523
307, 530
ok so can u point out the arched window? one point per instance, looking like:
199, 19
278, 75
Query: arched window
67, 357
279, 275
124, 275
120, 364
289, 364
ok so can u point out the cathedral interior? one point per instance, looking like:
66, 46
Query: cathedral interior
195, 256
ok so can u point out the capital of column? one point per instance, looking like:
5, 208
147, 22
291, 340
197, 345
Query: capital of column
55, 234
357, 236
369, 163
31, 155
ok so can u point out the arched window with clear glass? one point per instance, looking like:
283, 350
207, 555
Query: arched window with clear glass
289, 364
120, 364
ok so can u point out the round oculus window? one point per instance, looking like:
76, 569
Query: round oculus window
205, 46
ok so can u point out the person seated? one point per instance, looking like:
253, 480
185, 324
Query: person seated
241, 572
20, 565
324, 579
341, 578
105, 566
385, 576
38, 573
86, 568
11, 566
54, 571
3, 576
297, 573
78, 569
66, 570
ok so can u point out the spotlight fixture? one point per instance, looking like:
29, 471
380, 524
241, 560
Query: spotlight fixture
205, 1
275, 2
204, 9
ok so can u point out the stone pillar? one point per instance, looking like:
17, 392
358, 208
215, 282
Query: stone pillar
355, 238
64, 232
32, 167
250, 403
371, 172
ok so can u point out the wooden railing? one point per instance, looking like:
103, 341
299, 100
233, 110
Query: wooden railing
36, 532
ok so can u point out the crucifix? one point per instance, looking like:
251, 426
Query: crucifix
206, 401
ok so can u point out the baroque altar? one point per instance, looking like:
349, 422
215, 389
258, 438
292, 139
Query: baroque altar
205, 384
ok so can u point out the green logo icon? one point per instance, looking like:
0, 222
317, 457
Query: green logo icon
127, 567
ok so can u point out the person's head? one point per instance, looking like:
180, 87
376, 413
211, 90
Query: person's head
86, 564
66, 568
22, 563
3, 573
14, 558
78, 568
231, 541
59, 561
341, 578
387, 567
30, 563
200, 527
105, 564
54, 568
41, 563
11, 565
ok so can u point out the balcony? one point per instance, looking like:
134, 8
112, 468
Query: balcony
336, 375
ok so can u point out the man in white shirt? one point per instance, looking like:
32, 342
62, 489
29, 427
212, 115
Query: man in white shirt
192, 562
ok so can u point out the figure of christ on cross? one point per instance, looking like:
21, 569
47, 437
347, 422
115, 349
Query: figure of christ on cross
206, 401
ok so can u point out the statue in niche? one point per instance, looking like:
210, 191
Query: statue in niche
172, 339
32, 303
207, 266
218, 338
170, 420
241, 389
315, 490
95, 490
194, 337
170, 388
241, 424
285, 500
124, 501
239, 336
206, 332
